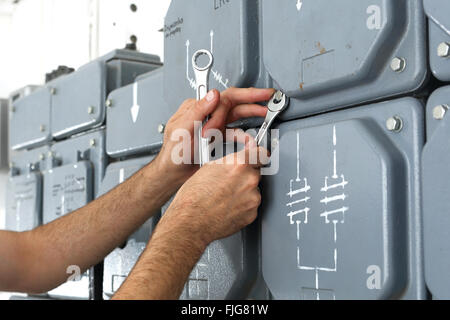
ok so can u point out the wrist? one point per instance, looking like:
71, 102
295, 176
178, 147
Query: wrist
182, 221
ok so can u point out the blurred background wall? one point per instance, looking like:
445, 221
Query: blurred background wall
36, 36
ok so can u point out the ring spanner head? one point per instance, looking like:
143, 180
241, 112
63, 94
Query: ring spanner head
202, 73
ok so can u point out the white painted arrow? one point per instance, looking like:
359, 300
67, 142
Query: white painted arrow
135, 109
299, 4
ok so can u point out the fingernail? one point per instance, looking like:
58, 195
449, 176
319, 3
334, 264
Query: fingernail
210, 96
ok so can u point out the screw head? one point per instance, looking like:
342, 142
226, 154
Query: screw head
443, 50
161, 128
398, 64
109, 103
394, 124
91, 110
42, 128
440, 111
92, 143
53, 91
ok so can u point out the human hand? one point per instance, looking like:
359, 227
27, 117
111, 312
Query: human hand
224, 108
219, 200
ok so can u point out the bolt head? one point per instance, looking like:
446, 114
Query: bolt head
161, 128
91, 110
440, 111
92, 142
398, 64
50, 154
109, 103
394, 124
53, 91
443, 50
42, 156
42, 128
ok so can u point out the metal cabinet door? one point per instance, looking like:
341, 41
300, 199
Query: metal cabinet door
137, 117
436, 208
66, 189
439, 37
341, 219
229, 29
24, 202
332, 54
29, 120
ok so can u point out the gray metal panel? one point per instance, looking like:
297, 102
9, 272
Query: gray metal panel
29, 120
75, 94
344, 208
327, 62
228, 28
120, 262
66, 189
24, 162
134, 118
24, 202
439, 32
78, 103
86, 147
436, 207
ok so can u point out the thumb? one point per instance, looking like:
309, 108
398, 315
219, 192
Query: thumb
207, 105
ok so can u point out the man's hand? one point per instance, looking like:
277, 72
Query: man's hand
224, 108
220, 199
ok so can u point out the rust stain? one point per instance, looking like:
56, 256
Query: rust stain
319, 46
301, 85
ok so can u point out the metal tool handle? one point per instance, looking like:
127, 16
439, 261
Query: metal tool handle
202, 80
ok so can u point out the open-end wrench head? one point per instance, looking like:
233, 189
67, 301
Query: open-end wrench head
279, 102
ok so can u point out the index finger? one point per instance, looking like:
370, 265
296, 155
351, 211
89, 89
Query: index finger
238, 96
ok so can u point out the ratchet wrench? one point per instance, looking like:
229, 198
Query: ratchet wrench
201, 80
277, 104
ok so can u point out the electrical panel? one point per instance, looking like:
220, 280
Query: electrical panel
73, 176
138, 116
439, 37
435, 186
374, 50
354, 208
342, 218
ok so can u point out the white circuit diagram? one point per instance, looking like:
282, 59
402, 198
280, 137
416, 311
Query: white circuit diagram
333, 198
218, 76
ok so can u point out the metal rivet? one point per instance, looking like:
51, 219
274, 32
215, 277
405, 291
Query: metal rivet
92, 142
394, 124
398, 64
440, 111
91, 110
109, 103
443, 50
53, 91
161, 128
42, 128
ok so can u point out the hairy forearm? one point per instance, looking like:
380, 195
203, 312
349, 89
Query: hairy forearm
165, 265
84, 237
